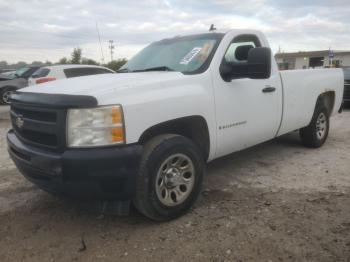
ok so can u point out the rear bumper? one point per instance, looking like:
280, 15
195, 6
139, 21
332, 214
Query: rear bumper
103, 173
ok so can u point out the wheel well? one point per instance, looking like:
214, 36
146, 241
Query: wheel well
192, 127
328, 98
8, 87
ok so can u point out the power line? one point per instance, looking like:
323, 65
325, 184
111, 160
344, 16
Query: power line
99, 39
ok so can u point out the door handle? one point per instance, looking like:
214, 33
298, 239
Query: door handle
269, 89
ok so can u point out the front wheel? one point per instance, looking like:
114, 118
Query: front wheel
316, 133
170, 177
5, 95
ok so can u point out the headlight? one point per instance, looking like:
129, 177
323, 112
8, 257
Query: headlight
92, 127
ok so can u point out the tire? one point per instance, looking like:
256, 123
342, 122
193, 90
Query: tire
164, 190
4, 95
316, 133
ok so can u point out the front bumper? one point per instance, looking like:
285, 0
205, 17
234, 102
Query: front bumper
99, 173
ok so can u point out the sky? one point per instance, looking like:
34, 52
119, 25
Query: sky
34, 30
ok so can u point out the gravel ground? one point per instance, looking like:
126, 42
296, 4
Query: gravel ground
4, 112
275, 202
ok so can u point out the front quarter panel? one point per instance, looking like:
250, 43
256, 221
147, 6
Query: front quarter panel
148, 104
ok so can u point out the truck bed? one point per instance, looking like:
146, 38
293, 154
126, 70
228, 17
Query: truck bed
301, 89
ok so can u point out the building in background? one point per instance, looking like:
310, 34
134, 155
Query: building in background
313, 59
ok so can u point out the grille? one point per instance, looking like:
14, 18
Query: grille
39, 126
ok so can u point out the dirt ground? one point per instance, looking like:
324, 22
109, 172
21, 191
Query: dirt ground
275, 202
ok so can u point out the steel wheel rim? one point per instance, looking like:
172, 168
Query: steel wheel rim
175, 180
321, 126
6, 96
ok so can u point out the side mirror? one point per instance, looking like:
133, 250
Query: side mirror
258, 66
259, 63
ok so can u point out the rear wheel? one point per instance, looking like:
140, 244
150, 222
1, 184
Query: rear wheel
316, 133
170, 177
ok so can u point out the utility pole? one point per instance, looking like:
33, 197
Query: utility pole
330, 56
111, 47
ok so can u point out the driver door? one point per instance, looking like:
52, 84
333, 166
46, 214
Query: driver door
246, 114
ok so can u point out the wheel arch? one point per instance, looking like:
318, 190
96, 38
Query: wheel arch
328, 99
8, 86
3, 91
193, 127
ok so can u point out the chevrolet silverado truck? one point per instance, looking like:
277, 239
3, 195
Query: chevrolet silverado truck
143, 136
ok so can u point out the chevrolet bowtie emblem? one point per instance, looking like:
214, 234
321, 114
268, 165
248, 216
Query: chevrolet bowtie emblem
19, 122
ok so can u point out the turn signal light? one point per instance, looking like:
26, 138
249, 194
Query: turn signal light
117, 135
117, 117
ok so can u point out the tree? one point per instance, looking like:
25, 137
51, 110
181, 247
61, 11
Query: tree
37, 63
76, 56
116, 64
88, 61
3, 64
20, 64
63, 61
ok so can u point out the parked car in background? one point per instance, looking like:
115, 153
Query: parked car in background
346, 86
5, 77
12, 82
6, 74
51, 73
7, 71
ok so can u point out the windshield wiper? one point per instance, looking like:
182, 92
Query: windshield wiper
124, 70
158, 68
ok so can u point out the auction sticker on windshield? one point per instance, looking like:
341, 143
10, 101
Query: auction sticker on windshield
192, 54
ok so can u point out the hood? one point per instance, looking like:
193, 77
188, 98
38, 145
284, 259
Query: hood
17, 83
97, 85
5, 77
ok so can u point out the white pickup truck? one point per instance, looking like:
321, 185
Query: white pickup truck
143, 136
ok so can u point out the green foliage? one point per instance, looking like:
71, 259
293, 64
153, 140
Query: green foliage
37, 63
4, 64
21, 64
63, 61
76, 56
116, 64
88, 61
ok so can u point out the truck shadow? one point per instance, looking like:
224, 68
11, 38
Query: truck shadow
288, 143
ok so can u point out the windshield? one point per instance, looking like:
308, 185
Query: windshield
21, 71
189, 54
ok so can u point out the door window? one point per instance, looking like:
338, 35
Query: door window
85, 71
239, 49
42, 72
